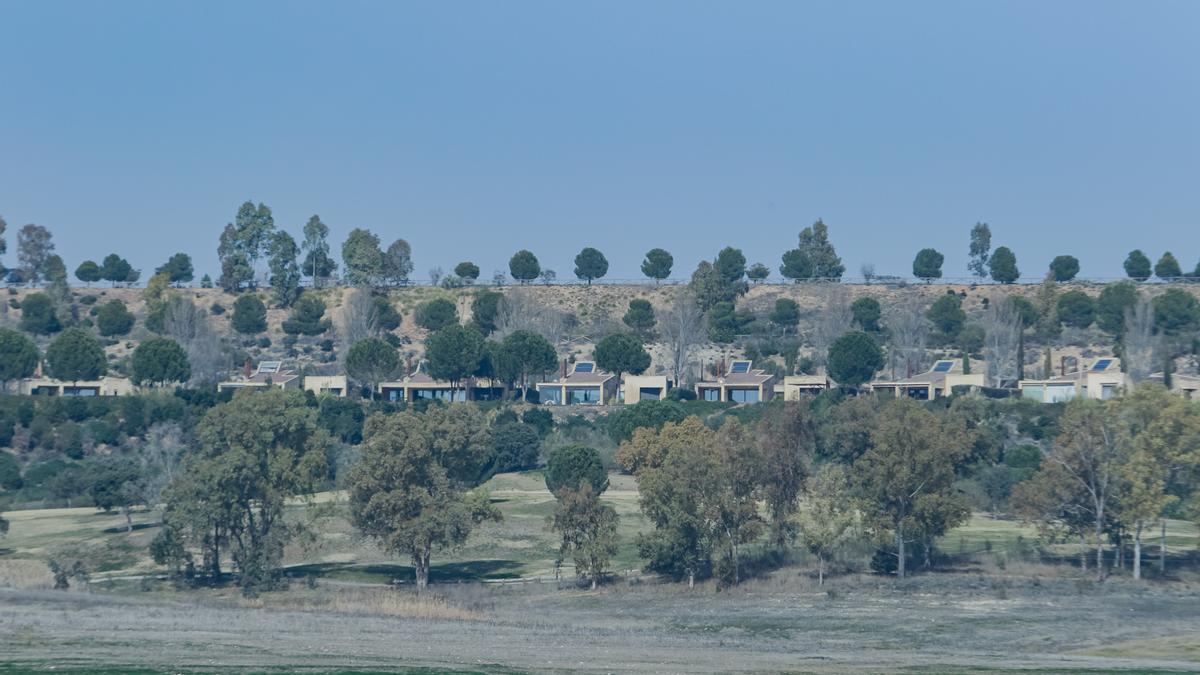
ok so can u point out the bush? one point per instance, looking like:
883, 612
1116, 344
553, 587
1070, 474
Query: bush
38, 315
621, 424
435, 314
306, 317
249, 315
515, 447
573, 465
114, 319
217, 309
1076, 309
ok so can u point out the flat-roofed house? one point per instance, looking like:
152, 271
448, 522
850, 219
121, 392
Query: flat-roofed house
583, 384
637, 388
742, 384
940, 380
105, 386
420, 386
1187, 386
797, 387
1101, 380
268, 374
333, 385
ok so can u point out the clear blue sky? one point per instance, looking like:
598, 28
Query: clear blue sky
473, 129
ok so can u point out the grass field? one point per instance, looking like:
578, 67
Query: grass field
999, 608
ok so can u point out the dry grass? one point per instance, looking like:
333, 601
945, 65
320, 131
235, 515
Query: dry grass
364, 602
25, 574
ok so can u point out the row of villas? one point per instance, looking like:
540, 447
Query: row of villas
583, 384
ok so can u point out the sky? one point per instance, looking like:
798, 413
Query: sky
474, 129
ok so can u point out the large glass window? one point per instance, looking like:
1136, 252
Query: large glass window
1060, 393
649, 394
743, 395
1035, 391
710, 394
551, 395
583, 396
394, 395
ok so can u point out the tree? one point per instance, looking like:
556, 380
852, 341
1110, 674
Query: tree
412, 489
1003, 327
361, 258
235, 264
113, 483
75, 355
467, 270
1064, 268
249, 315
524, 266
88, 272
372, 361
1167, 268
725, 322
115, 269
113, 318
253, 455
435, 314
867, 313
927, 266
18, 357
317, 263
454, 353
528, 353
1176, 312
796, 265
306, 317
709, 287
906, 478
786, 314
979, 253
484, 310
757, 273
285, 271
515, 447
570, 467
947, 316
34, 248
397, 263
622, 353
1076, 309
1137, 265
854, 358
730, 265
3, 241
158, 361
1003, 266
657, 264
1111, 306
640, 317
38, 316
787, 444
829, 522
681, 330
589, 531
814, 244
590, 264
255, 228
178, 269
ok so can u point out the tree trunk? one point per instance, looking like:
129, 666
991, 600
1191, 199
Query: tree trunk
1100, 548
1083, 551
128, 513
928, 552
1162, 548
421, 564
1137, 550
900, 553
820, 570
593, 583
691, 579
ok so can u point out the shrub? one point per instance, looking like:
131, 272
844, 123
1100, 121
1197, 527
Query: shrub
249, 315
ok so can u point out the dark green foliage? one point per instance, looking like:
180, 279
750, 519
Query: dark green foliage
1064, 268
18, 356
1003, 266
38, 315
112, 483
484, 310
372, 361
524, 266
515, 447
1137, 266
640, 316
621, 423
342, 418
590, 264
362, 258
435, 314
523, 353
178, 269
970, 338
114, 319
249, 315
928, 264
854, 358
822, 258
10, 472
758, 272
1076, 309
385, 315
730, 265
1176, 312
710, 287
88, 272
540, 419
657, 264
574, 465
796, 265
75, 355
622, 353
981, 244
786, 313
867, 313
947, 316
306, 317
467, 270
1112, 304
159, 361
1167, 268
116, 269
454, 353
725, 322
285, 270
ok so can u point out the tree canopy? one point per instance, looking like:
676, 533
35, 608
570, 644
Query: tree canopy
590, 264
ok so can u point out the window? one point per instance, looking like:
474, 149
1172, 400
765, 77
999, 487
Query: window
918, 393
1060, 393
1035, 392
743, 395
710, 394
583, 396
393, 395
551, 395
649, 394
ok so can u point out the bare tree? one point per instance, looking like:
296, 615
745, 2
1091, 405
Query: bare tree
1002, 332
188, 325
359, 318
521, 310
160, 456
681, 326
908, 331
1139, 341
834, 320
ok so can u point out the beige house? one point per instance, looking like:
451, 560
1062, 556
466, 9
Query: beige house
420, 386
797, 387
584, 384
105, 386
636, 388
742, 384
1187, 386
333, 385
269, 374
938, 381
1101, 380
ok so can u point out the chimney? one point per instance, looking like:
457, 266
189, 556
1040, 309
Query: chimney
563, 374
247, 369
1062, 368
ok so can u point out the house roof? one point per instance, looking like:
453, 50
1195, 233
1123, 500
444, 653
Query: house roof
267, 371
741, 373
583, 373
936, 373
1108, 365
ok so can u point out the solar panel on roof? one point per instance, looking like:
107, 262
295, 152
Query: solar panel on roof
739, 367
269, 366
943, 366
1102, 364
584, 367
